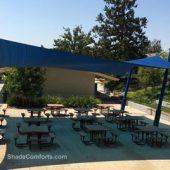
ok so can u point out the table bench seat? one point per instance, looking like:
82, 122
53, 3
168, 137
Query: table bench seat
20, 140
4, 108
76, 126
157, 140
84, 137
108, 140
136, 139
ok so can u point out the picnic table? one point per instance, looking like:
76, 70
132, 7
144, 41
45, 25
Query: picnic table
95, 130
34, 130
105, 105
2, 133
111, 116
4, 107
1, 120
37, 121
104, 108
56, 109
55, 106
128, 122
82, 110
133, 120
117, 112
85, 120
35, 111
150, 133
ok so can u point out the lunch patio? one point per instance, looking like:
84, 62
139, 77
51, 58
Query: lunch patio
102, 134
13, 54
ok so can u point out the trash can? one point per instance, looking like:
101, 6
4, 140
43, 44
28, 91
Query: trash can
4, 97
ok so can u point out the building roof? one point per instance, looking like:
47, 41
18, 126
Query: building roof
4, 69
105, 76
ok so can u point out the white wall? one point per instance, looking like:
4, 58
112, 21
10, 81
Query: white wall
68, 82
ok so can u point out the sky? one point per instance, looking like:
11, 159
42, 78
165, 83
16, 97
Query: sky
39, 22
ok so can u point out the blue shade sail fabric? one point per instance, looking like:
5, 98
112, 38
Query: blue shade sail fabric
14, 54
155, 62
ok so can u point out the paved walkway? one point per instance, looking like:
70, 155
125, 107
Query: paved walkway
123, 156
112, 165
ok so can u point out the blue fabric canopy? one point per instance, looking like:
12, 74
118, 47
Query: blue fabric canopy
155, 61
14, 54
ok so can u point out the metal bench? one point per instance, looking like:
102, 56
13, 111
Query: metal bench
4, 108
2, 120
113, 138
46, 141
33, 140
137, 139
23, 115
157, 140
76, 126
108, 140
20, 140
84, 137
121, 124
18, 127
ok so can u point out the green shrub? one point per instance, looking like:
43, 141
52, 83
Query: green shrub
52, 99
85, 101
72, 101
15, 101
24, 102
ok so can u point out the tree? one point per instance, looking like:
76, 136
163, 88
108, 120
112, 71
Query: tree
119, 33
149, 77
154, 46
111, 85
75, 41
164, 55
26, 83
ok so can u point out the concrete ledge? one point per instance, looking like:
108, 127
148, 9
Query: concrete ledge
140, 107
148, 110
164, 103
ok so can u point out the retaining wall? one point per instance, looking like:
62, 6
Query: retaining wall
148, 110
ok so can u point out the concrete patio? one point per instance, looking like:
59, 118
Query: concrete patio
72, 154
